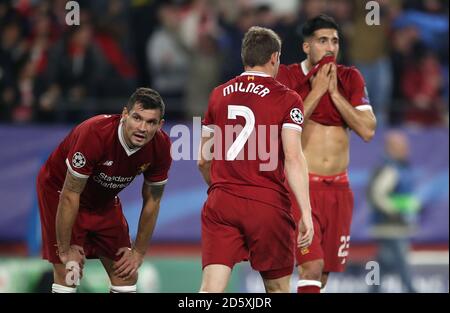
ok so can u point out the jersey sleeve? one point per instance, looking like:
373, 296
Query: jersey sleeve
208, 119
359, 97
85, 151
293, 116
158, 172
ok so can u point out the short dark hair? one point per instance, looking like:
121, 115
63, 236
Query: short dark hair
148, 99
319, 22
258, 45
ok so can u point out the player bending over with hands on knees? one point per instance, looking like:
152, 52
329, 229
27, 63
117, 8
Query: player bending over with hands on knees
81, 214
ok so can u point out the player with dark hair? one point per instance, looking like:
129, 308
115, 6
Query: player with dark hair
247, 215
81, 214
335, 101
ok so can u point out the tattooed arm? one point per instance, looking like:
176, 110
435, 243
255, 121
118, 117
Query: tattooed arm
151, 195
67, 210
132, 259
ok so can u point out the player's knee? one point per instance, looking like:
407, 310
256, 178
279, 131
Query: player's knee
212, 287
132, 280
311, 270
324, 279
60, 276
60, 281
276, 286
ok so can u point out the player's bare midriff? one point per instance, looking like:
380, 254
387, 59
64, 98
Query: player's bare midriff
326, 148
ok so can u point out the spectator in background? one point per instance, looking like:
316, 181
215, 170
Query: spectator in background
369, 52
200, 30
422, 84
12, 56
75, 71
231, 42
143, 22
421, 37
291, 33
395, 208
168, 59
110, 36
403, 41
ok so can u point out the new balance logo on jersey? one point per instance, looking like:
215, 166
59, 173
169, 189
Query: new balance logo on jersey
108, 163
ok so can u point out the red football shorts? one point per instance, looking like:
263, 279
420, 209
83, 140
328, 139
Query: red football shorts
236, 229
332, 205
101, 234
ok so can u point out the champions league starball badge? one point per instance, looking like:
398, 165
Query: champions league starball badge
297, 116
78, 160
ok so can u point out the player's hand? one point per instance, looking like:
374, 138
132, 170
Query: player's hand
321, 81
333, 85
128, 264
74, 254
305, 232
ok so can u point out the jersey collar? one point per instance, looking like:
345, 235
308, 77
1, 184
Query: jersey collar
304, 68
255, 73
127, 149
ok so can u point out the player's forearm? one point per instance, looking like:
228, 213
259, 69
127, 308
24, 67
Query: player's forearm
297, 175
310, 102
65, 218
205, 169
147, 222
361, 123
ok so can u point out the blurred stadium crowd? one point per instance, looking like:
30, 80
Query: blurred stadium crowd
51, 72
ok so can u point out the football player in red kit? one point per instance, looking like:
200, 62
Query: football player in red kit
247, 215
335, 101
81, 214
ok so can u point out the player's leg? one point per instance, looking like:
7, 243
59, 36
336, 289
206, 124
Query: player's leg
324, 279
215, 278
222, 241
108, 233
310, 276
310, 260
48, 199
270, 236
63, 282
278, 285
336, 236
119, 285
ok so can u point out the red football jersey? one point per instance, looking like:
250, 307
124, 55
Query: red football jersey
350, 83
96, 149
247, 115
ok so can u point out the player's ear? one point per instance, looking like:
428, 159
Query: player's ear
274, 58
306, 47
124, 112
161, 123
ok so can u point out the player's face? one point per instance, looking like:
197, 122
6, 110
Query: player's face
324, 42
139, 125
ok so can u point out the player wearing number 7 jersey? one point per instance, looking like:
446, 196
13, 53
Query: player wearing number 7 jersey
251, 142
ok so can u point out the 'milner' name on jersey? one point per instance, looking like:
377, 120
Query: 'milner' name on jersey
260, 90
